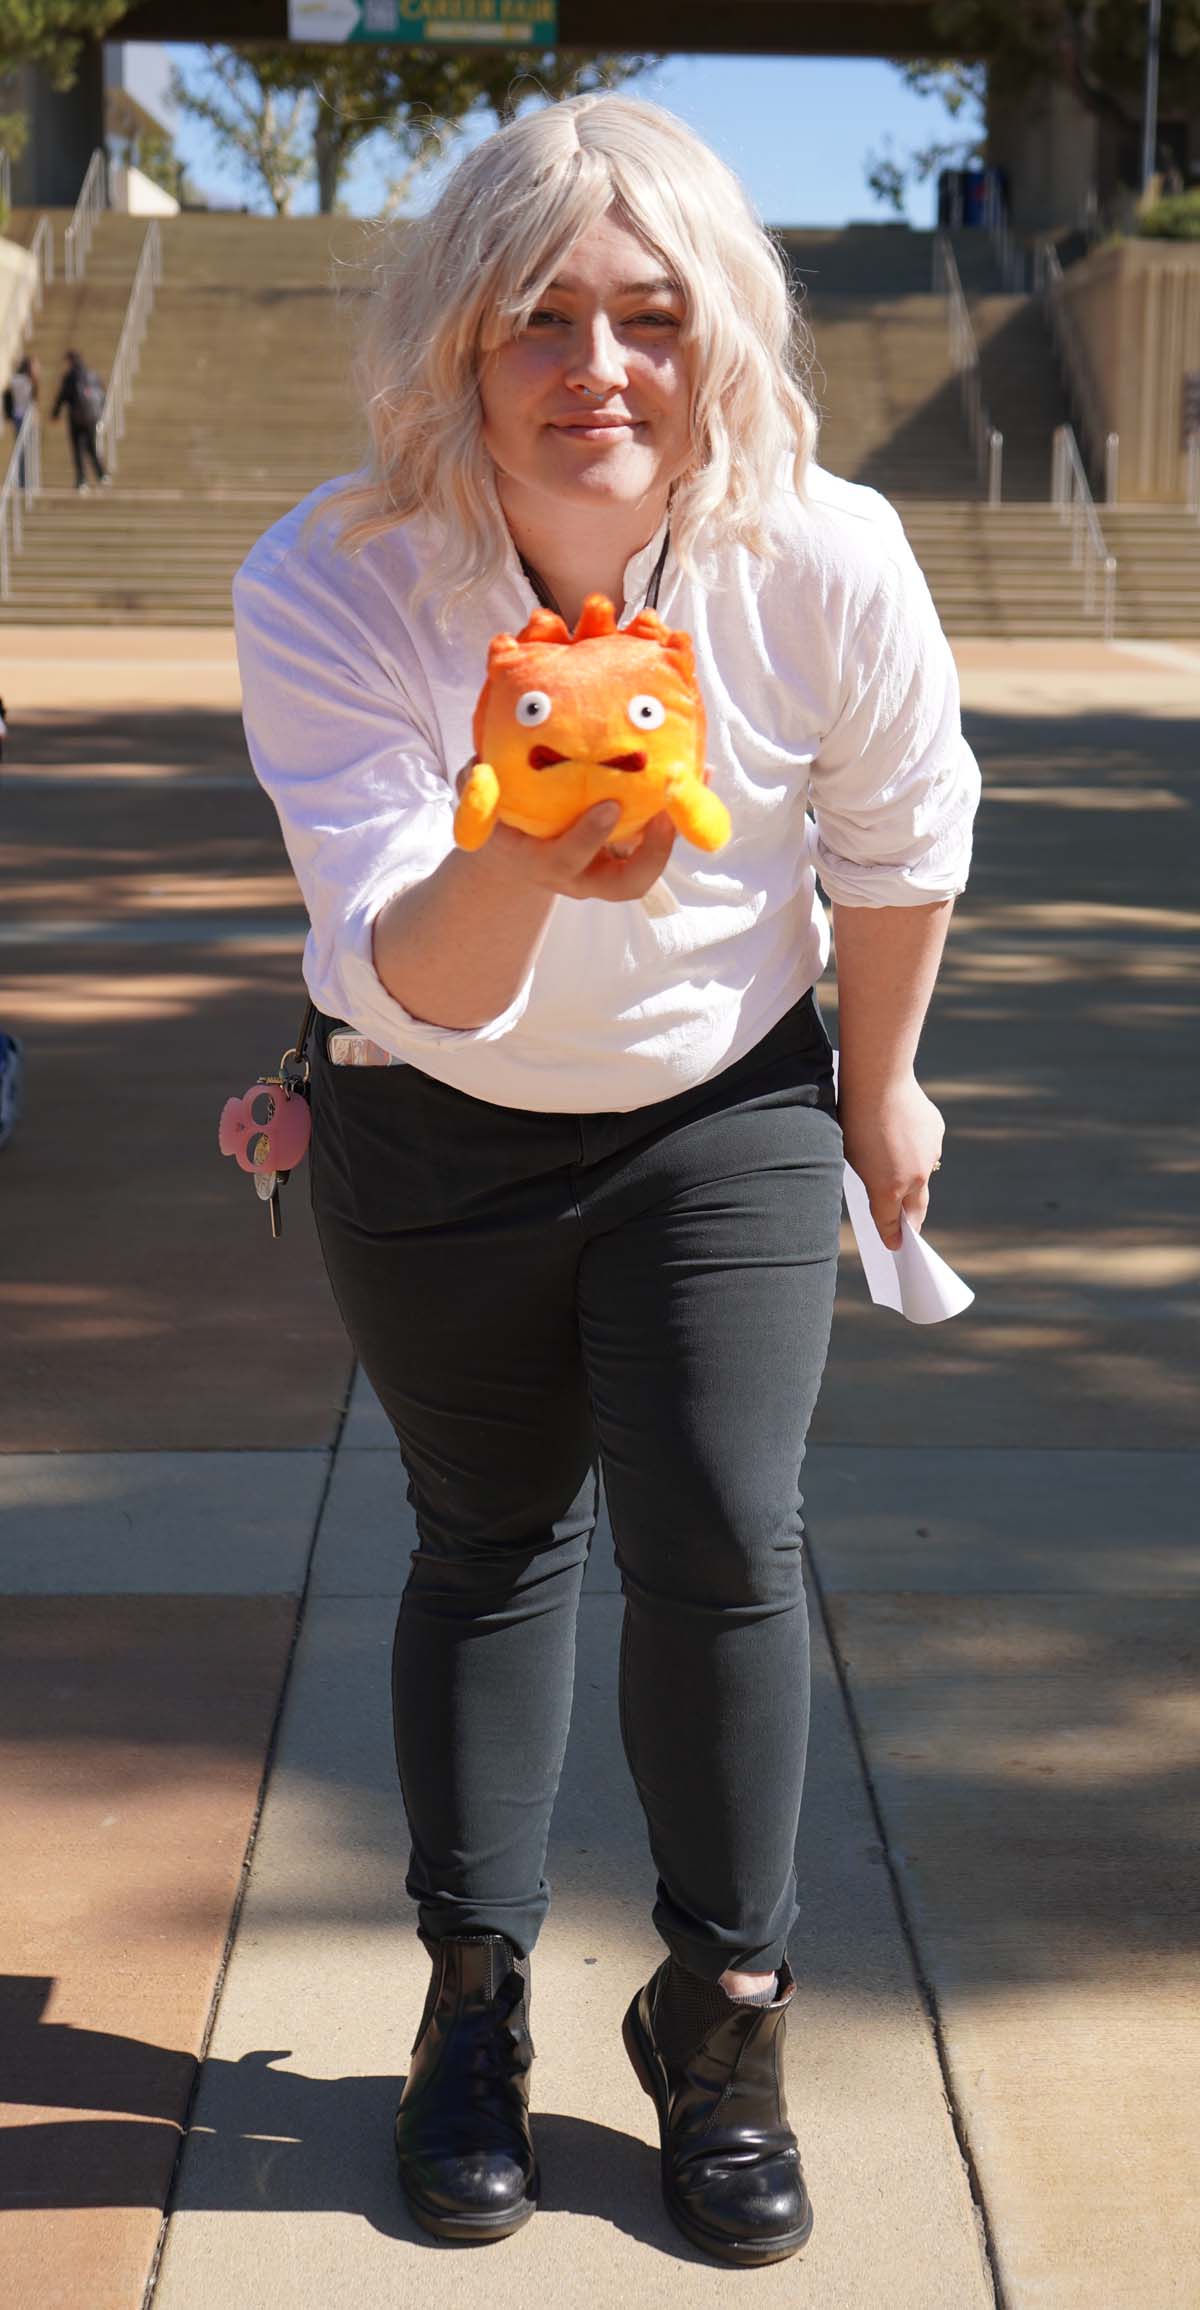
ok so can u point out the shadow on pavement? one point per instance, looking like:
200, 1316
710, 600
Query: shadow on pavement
267, 2140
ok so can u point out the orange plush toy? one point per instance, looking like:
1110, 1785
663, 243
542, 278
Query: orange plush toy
602, 715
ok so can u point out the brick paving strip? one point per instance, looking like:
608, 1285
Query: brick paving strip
170, 1396
994, 2069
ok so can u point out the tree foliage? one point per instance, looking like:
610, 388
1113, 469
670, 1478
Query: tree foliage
135, 137
51, 33
335, 99
1174, 219
260, 126
962, 88
1096, 48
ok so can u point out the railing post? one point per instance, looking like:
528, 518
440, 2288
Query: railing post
1110, 597
1112, 462
1193, 473
995, 465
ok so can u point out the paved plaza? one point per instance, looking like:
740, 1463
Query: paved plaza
994, 2054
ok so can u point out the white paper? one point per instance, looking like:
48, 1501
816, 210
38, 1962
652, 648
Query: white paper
914, 1280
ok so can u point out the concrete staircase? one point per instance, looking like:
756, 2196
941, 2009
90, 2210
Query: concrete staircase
244, 401
892, 418
1003, 570
1158, 582
85, 315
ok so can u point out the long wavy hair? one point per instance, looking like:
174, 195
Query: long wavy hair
455, 284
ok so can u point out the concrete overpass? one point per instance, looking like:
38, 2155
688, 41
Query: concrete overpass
1049, 146
695, 27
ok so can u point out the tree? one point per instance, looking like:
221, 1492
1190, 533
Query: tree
157, 158
1096, 48
260, 126
49, 33
137, 139
961, 87
413, 95
354, 93
507, 79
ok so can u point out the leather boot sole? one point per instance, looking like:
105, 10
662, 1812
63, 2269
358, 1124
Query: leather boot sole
469, 2229
748, 2256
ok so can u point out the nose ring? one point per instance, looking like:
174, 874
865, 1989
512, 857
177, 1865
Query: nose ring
594, 392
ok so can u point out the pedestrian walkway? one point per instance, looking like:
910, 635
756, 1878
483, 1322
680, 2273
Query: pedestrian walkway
993, 2062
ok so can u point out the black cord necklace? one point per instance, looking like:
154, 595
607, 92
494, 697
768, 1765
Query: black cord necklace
546, 598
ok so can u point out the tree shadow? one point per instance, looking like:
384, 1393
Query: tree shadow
262, 2139
146, 738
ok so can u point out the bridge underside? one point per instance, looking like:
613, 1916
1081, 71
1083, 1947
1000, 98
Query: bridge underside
697, 27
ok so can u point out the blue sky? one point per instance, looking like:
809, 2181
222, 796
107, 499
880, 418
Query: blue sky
796, 129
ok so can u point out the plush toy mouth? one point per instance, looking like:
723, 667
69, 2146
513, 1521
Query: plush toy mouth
545, 758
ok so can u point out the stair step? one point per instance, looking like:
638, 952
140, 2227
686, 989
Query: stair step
244, 402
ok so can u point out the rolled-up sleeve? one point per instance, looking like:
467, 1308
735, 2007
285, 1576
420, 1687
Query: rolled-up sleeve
895, 786
365, 807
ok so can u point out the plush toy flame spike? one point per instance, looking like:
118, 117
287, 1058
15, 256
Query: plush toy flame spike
606, 714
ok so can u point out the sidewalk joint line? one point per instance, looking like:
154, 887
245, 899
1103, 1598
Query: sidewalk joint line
908, 1931
235, 1914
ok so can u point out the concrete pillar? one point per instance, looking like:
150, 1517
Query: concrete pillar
64, 131
1048, 143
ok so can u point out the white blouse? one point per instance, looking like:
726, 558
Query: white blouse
829, 688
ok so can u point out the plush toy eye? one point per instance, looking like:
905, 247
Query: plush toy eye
646, 713
533, 706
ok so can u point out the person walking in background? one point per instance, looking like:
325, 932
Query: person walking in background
19, 397
81, 394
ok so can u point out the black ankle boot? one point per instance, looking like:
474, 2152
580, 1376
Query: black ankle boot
714, 2067
462, 2128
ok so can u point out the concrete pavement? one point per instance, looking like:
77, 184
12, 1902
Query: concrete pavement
994, 2060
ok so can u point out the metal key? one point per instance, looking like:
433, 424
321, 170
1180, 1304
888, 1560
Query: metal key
266, 1187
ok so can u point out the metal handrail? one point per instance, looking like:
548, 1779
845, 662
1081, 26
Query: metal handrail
129, 344
93, 199
41, 249
17, 491
1074, 368
986, 440
1070, 492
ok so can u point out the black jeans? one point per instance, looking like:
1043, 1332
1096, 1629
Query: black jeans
83, 444
532, 1294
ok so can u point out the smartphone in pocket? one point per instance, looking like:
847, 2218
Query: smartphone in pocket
346, 1049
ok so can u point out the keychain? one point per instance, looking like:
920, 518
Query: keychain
270, 1144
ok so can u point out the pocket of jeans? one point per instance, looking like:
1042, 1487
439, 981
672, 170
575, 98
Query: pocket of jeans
374, 1157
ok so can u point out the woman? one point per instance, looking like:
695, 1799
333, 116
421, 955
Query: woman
591, 1214
20, 395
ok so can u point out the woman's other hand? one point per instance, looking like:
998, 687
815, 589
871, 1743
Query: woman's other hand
893, 1139
580, 863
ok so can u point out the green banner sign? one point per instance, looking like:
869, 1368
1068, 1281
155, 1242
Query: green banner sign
450, 23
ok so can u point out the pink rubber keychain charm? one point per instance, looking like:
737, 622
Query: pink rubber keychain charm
267, 1129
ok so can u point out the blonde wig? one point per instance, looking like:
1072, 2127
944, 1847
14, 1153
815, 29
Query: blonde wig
462, 280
